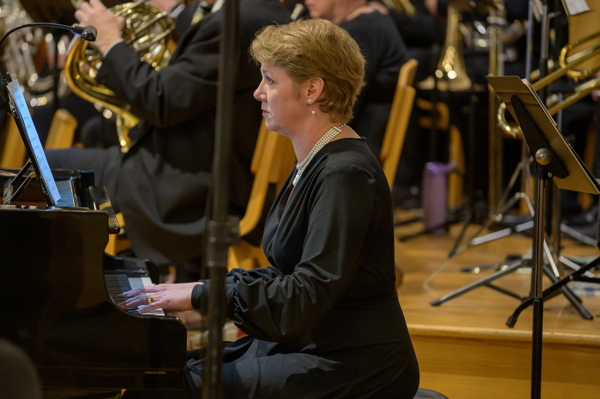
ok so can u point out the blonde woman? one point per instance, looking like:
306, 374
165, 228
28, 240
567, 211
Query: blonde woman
324, 320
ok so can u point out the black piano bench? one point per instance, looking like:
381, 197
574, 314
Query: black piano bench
423, 393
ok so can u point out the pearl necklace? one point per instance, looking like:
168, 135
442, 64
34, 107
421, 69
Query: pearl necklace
326, 138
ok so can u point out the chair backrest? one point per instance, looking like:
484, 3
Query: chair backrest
13, 153
272, 161
395, 132
62, 130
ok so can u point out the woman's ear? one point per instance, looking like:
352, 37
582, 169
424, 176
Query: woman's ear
314, 89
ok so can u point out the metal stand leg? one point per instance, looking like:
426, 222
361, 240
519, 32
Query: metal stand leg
511, 267
552, 291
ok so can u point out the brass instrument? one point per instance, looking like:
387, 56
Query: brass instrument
581, 26
146, 31
403, 6
451, 73
568, 62
26, 52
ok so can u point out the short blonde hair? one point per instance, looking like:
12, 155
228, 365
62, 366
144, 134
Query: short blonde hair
310, 48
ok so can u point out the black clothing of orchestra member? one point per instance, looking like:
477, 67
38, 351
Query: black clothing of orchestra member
161, 184
100, 132
331, 239
385, 53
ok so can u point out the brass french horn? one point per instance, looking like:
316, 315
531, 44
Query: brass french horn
146, 31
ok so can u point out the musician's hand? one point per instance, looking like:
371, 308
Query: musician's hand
379, 7
164, 5
109, 25
168, 297
431, 6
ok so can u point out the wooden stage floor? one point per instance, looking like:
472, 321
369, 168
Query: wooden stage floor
465, 349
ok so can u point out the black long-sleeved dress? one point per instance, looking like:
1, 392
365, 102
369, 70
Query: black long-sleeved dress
324, 321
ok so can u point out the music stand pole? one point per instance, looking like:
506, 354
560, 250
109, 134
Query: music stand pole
222, 228
542, 157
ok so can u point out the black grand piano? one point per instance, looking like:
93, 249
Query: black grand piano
56, 302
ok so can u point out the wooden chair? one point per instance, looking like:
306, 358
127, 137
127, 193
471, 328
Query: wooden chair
13, 153
117, 242
62, 130
395, 132
272, 161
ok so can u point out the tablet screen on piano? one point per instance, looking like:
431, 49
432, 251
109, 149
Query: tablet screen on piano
35, 149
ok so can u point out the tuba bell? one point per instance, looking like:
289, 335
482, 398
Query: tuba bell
451, 73
146, 31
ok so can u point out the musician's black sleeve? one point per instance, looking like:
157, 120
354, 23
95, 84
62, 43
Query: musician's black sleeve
178, 92
200, 292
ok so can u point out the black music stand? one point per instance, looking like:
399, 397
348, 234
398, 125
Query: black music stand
13, 101
576, 177
555, 159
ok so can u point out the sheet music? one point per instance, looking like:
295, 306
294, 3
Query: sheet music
574, 7
34, 140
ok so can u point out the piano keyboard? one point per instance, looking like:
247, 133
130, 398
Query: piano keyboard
118, 283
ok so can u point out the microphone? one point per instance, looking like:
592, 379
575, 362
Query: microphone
88, 33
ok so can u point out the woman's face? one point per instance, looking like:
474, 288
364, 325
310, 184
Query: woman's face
321, 8
282, 106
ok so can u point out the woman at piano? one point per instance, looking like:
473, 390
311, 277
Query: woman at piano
324, 320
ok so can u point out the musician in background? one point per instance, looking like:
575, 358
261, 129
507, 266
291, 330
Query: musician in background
161, 185
385, 52
324, 320
93, 129
423, 34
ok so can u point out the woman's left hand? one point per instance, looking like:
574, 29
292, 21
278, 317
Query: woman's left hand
168, 297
